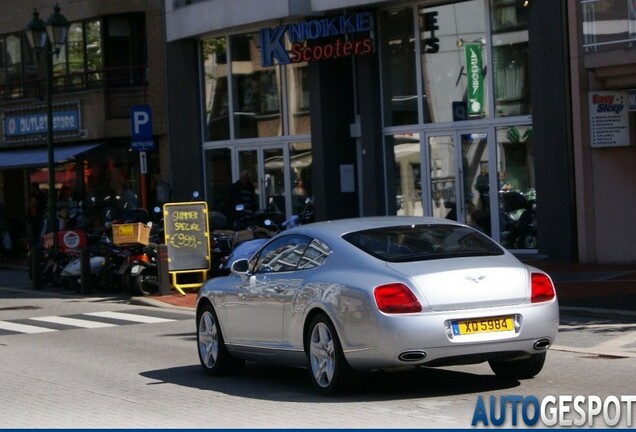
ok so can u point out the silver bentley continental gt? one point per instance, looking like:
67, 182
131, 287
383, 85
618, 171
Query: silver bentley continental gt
378, 293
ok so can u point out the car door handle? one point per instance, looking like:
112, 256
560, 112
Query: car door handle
280, 288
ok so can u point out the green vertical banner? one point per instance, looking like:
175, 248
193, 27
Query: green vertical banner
475, 78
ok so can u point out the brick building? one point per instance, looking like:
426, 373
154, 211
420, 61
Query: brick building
114, 59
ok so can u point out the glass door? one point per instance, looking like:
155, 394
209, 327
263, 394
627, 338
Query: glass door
264, 168
476, 181
459, 177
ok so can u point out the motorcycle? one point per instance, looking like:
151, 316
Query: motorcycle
519, 219
305, 216
246, 248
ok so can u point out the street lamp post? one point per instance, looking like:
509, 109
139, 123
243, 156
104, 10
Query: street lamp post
47, 39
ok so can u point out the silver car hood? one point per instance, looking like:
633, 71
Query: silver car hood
449, 284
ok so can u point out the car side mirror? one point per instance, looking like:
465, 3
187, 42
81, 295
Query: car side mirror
240, 267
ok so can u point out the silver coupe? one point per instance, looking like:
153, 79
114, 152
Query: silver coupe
378, 293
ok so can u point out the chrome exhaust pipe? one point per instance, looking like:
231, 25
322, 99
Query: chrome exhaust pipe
542, 344
412, 356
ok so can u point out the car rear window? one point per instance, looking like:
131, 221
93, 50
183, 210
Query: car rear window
423, 242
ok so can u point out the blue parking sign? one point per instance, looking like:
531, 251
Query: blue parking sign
141, 128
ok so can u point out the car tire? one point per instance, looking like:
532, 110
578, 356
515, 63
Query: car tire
328, 368
213, 354
518, 369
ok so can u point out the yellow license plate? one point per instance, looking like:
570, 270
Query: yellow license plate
482, 325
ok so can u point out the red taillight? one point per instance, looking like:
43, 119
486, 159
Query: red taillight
139, 258
542, 288
396, 298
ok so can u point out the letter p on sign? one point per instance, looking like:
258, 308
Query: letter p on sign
140, 123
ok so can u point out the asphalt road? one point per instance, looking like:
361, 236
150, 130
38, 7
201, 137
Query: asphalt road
72, 361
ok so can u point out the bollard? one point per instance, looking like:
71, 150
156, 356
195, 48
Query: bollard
85, 271
163, 274
36, 268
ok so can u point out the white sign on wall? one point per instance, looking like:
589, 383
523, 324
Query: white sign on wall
609, 119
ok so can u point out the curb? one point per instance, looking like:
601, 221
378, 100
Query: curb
146, 301
597, 313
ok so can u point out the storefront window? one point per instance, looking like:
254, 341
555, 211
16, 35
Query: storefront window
407, 174
255, 91
298, 99
215, 77
218, 171
399, 73
453, 60
517, 194
300, 174
441, 155
453, 64
97, 186
510, 58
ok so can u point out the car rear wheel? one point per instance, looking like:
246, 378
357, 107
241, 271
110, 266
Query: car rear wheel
518, 369
328, 368
213, 354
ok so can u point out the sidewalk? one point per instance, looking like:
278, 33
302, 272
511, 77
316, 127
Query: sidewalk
602, 290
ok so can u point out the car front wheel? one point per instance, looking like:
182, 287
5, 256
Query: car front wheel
213, 354
518, 369
327, 366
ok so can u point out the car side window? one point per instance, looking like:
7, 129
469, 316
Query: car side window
315, 254
283, 254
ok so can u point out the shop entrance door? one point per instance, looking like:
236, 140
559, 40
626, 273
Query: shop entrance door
266, 168
460, 182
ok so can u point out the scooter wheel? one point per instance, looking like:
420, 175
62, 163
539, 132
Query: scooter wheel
145, 285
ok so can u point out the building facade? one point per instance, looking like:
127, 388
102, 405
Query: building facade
114, 59
455, 109
602, 38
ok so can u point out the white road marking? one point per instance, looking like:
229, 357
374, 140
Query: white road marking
23, 328
129, 317
73, 322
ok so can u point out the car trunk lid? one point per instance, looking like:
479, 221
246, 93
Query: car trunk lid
467, 283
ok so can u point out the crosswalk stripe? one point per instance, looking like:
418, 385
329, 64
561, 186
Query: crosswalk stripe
23, 328
73, 322
128, 317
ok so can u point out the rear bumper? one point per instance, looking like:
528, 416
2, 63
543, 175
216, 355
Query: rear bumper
424, 339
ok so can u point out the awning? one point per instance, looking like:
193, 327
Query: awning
33, 158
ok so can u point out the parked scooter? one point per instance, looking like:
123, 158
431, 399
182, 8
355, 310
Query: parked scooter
45, 266
117, 258
141, 275
71, 275
519, 219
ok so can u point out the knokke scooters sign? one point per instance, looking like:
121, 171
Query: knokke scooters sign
305, 39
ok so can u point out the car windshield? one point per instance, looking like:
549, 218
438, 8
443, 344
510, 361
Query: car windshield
423, 242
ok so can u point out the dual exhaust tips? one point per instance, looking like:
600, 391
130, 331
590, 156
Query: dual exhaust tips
415, 356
